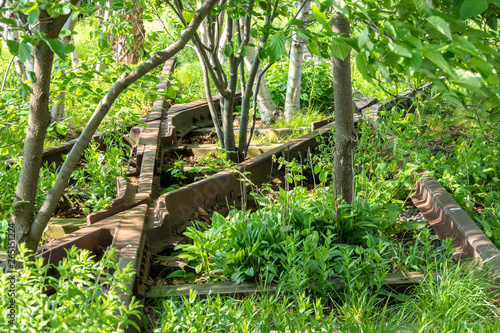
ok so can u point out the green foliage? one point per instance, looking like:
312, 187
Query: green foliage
94, 184
76, 301
302, 236
316, 85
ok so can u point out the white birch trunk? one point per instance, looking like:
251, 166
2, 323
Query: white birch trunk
267, 107
292, 100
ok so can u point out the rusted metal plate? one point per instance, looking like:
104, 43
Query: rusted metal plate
448, 219
392, 281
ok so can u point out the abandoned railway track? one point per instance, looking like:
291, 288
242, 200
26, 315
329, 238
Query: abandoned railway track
142, 221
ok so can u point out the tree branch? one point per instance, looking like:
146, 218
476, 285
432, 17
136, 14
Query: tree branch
125, 80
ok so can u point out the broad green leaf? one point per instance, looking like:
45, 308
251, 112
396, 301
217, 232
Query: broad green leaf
321, 18
33, 16
439, 62
264, 5
228, 50
8, 21
362, 66
313, 46
276, 46
24, 51
62, 128
364, 39
340, 48
7, 95
296, 22
471, 8
422, 6
496, 2
244, 51
413, 64
440, 25
400, 50
495, 117
481, 65
413, 41
467, 79
57, 46
253, 33
452, 97
188, 15
384, 71
390, 28
71, 47
13, 47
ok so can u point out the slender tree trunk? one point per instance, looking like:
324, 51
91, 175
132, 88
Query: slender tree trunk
38, 122
223, 41
30, 230
58, 107
267, 108
292, 100
345, 133
228, 105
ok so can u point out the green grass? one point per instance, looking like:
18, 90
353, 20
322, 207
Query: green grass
458, 299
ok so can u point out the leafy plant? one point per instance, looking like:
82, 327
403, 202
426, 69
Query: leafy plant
86, 296
316, 84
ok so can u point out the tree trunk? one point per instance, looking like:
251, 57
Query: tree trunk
228, 105
129, 51
27, 229
267, 108
345, 133
38, 122
292, 100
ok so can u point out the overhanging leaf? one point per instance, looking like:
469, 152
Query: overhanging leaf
24, 51
471, 8
188, 15
57, 46
439, 62
421, 6
8, 21
340, 48
362, 66
321, 18
440, 25
33, 16
467, 79
13, 46
276, 46
364, 40
228, 50
495, 117
400, 50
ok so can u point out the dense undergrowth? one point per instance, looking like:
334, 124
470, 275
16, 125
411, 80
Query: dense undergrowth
85, 297
461, 150
301, 240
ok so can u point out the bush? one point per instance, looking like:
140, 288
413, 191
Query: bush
316, 85
73, 303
